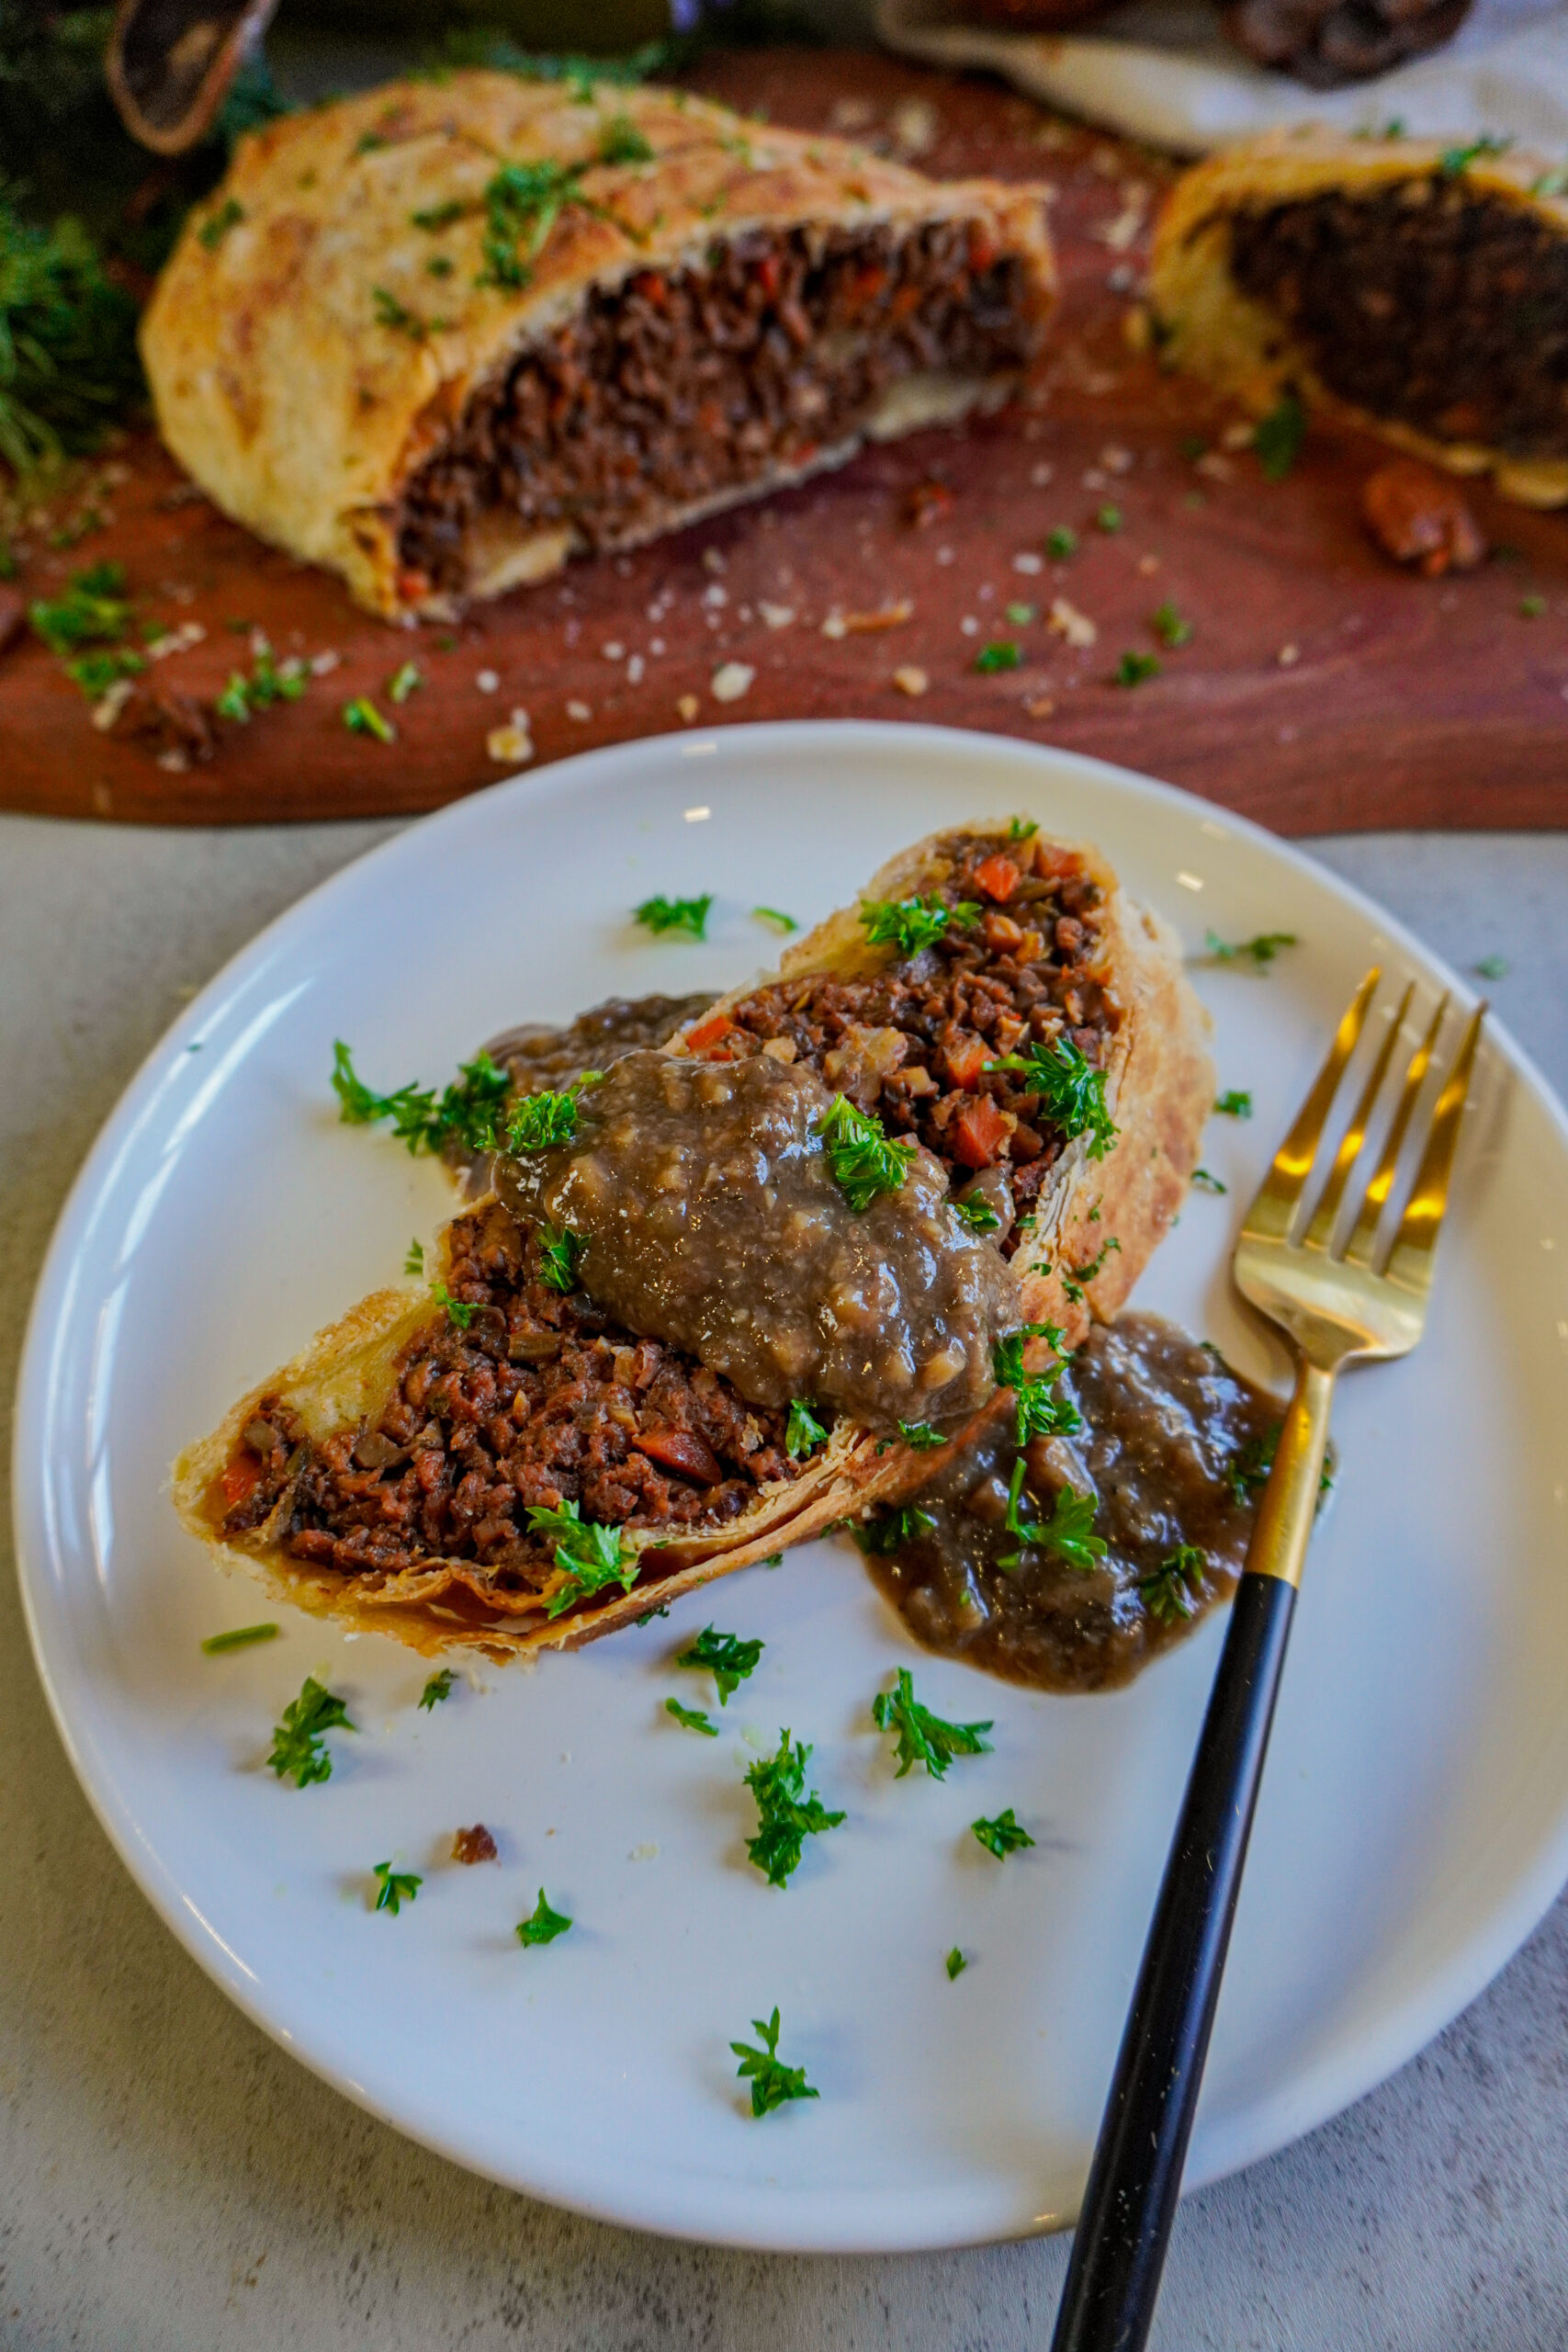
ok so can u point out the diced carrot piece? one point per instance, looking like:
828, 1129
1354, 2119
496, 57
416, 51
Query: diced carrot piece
682, 1451
241, 1478
963, 1059
708, 1032
1050, 861
998, 878
978, 1133
767, 273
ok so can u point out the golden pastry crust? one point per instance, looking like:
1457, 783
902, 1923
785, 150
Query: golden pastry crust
303, 415
1206, 324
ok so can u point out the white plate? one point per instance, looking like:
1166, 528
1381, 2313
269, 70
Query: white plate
1414, 1821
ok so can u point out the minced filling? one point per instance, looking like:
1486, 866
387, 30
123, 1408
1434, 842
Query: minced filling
541, 1399
1424, 303
913, 1041
678, 387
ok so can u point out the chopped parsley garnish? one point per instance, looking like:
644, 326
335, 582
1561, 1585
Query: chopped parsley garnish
1070, 1531
362, 718
692, 1717
404, 681
1069, 1090
620, 142
1002, 655
437, 1690
1110, 518
724, 1655
1491, 967
1136, 669
543, 1925
883, 1536
391, 313
522, 203
543, 1120
1169, 1593
864, 1163
459, 1314
414, 1261
1455, 162
772, 2082
1061, 542
787, 1813
242, 1637
1259, 951
440, 216
560, 1254
589, 1554
1041, 1412
924, 1738
977, 1213
1022, 829
217, 225
397, 1887
93, 610
775, 915
910, 924
1236, 1102
921, 1436
297, 1753
1532, 606
954, 1963
1003, 1837
803, 1431
1206, 1181
689, 915
1019, 614
465, 1113
97, 672
1278, 437
1075, 1277
266, 685
1169, 626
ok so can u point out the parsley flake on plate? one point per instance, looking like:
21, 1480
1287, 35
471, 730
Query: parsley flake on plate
560, 1254
1110, 518
543, 1925
1278, 437
1040, 1411
689, 915
884, 1535
1169, 626
772, 2082
544, 1120
298, 1752
924, 1738
1205, 1180
459, 1313
465, 1113
803, 1431
1061, 542
1169, 1593
921, 1436
1068, 1532
620, 142
397, 1887
437, 1688
1003, 1837
724, 1655
413, 1263
692, 1718
977, 1213
787, 1811
1075, 1277
1491, 967
1259, 951
1236, 1102
1068, 1089
94, 610
864, 1163
404, 681
910, 924
589, 1553
1136, 669
1003, 654
776, 916
955, 1963
242, 1637
217, 225
362, 718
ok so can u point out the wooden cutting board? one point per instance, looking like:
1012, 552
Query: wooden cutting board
1321, 689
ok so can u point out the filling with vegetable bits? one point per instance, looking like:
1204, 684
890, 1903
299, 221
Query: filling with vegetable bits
682, 388
1001, 966
522, 1398
1423, 302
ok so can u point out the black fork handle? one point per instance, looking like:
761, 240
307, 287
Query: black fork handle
1108, 2302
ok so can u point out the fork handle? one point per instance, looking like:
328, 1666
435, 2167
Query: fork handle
1107, 2301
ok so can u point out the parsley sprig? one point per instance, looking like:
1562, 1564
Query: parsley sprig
977, 1213
544, 1926
910, 924
560, 1254
94, 610
803, 1431
544, 1120
1278, 437
1041, 1412
661, 914
1069, 1090
438, 1688
589, 1553
865, 1164
1259, 951
297, 1753
1170, 1594
772, 2082
692, 1717
921, 1435
523, 202
1003, 1837
1070, 1531
1236, 1102
787, 1813
924, 1738
724, 1655
881, 1537
465, 1113
397, 1887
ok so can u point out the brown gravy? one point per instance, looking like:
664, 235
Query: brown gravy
1174, 1447
711, 1218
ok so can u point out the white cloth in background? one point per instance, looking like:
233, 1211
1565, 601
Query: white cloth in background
1163, 70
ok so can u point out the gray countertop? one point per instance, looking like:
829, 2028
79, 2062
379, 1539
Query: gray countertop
168, 2177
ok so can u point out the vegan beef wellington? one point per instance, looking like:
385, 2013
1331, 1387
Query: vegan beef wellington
747, 1285
1417, 291
441, 337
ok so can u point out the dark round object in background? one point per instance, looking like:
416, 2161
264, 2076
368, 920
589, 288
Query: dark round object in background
1036, 15
1328, 42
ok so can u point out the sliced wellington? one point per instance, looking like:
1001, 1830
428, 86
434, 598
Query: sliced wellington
1418, 290
442, 336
